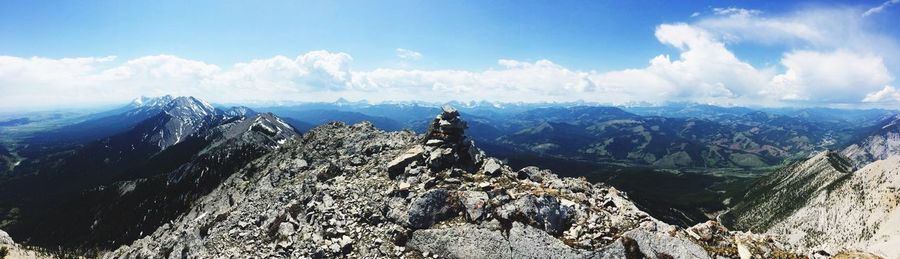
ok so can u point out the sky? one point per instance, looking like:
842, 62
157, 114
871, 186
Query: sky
748, 53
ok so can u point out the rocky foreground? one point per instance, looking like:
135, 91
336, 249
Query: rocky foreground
9, 249
356, 191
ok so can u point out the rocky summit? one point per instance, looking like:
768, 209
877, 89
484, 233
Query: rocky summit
357, 191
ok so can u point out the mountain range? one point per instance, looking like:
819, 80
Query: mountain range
176, 176
114, 188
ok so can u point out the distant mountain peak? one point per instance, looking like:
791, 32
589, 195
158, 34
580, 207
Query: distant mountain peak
190, 100
892, 122
158, 101
178, 119
240, 111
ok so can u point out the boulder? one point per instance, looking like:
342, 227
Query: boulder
5, 239
532, 173
708, 231
285, 230
431, 207
397, 166
491, 167
659, 245
474, 203
544, 212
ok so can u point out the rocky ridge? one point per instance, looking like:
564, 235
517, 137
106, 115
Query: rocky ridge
859, 212
833, 202
356, 191
112, 191
779, 194
879, 145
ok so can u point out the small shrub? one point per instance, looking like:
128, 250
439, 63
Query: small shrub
4, 252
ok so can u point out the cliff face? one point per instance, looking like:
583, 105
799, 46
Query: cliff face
357, 191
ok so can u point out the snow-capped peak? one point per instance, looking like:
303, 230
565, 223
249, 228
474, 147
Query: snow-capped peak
189, 105
157, 101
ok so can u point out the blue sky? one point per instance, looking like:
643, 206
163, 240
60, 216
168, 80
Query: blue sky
590, 40
456, 34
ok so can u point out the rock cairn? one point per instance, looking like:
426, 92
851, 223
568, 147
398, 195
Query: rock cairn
447, 129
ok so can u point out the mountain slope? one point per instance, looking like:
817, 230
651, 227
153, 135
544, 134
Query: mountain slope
112, 190
882, 142
112, 156
138, 203
826, 203
99, 125
860, 212
781, 193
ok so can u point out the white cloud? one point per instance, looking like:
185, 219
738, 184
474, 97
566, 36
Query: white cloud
829, 56
886, 94
827, 77
734, 11
408, 54
745, 25
705, 71
880, 8
515, 81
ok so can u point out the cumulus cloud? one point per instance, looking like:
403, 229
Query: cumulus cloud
542, 80
838, 76
705, 71
886, 94
829, 57
408, 54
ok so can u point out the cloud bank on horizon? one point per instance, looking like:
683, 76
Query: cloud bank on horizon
832, 57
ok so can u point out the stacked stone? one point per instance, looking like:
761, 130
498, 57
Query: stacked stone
447, 129
446, 145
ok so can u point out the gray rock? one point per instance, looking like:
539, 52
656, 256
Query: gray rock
442, 158
327, 171
659, 245
5, 239
357, 160
491, 167
471, 241
475, 203
545, 212
531, 173
285, 230
398, 165
431, 207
